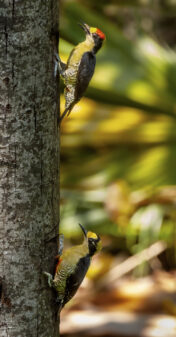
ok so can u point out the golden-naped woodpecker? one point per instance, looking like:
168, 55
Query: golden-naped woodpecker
72, 266
80, 67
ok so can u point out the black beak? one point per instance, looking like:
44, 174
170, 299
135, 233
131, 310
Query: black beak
85, 27
84, 230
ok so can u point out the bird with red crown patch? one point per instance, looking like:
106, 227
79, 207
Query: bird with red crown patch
80, 67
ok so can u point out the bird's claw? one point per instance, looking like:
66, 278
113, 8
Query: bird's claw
59, 65
56, 64
57, 57
50, 278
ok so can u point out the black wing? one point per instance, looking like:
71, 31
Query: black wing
85, 73
75, 279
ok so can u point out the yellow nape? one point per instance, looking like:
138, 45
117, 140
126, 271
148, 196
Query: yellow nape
92, 235
93, 30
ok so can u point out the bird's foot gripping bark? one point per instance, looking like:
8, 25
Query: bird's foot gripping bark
59, 66
50, 279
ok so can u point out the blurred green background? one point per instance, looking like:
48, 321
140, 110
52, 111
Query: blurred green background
118, 146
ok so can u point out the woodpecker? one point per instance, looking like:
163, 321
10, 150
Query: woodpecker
80, 67
72, 266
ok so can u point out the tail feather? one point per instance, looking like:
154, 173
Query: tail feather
67, 111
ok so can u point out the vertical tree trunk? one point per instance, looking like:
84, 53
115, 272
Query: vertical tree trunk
29, 164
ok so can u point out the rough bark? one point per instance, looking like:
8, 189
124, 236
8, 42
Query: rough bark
29, 165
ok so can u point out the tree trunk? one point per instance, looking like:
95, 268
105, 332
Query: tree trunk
29, 165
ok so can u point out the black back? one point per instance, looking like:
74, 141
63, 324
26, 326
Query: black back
74, 281
85, 73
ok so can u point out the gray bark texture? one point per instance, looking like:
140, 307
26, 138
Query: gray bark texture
29, 167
